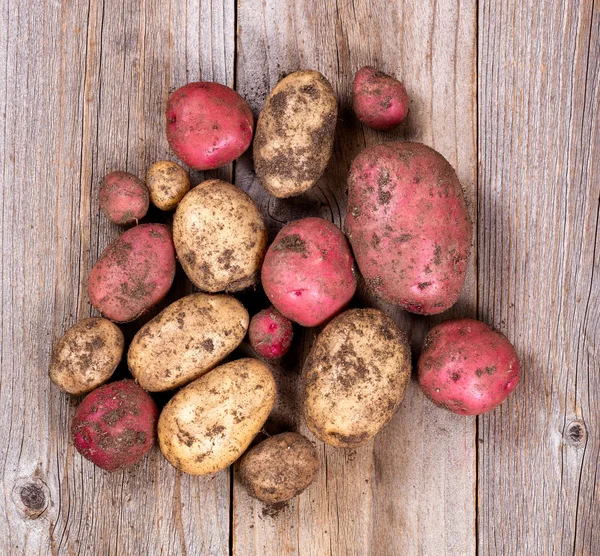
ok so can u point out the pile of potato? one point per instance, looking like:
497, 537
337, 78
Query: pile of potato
407, 232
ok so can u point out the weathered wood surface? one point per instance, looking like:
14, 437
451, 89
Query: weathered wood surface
82, 90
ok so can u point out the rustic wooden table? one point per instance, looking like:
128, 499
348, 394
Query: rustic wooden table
507, 90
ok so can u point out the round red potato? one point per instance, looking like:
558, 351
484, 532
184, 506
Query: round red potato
133, 273
467, 367
308, 271
124, 198
379, 101
208, 125
270, 333
115, 425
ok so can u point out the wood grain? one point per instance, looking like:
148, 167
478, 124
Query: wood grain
412, 490
539, 197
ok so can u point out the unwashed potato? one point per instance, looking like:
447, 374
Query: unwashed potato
294, 134
354, 377
185, 340
123, 198
270, 333
279, 468
211, 422
220, 237
86, 356
167, 183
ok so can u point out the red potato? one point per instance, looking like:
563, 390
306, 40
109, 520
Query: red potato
208, 125
467, 367
379, 101
270, 333
134, 273
124, 198
308, 271
115, 425
409, 226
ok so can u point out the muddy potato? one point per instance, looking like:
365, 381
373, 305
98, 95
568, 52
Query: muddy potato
279, 468
167, 183
220, 237
86, 356
294, 134
210, 423
185, 340
354, 377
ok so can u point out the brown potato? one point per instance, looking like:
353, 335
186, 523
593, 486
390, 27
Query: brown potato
294, 134
167, 183
220, 237
86, 356
354, 377
279, 468
210, 423
186, 340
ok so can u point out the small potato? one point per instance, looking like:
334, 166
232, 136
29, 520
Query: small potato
379, 101
211, 422
270, 333
294, 134
123, 198
167, 183
186, 340
354, 377
86, 356
279, 468
133, 273
467, 367
220, 237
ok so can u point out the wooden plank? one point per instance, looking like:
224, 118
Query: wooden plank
412, 490
539, 273
83, 90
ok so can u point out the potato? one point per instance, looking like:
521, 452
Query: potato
294, 134
209, 424
134, 273
354, 377
220, 237
308, 273
409, 226
86, 356
279, 468
270, 333
167, 183
123, 198
379, 101
115, 425
186, 340
467, 367
208, 125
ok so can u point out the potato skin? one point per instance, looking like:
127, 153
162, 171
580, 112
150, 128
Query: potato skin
210, 423
133, 273
208, 125
409, 226
279, 468
86, 356
354, 377
308, 273
225, 252
115, 425
124, 198
294, 134
270, 333
378, 100
467, 367
186, 340
167, 183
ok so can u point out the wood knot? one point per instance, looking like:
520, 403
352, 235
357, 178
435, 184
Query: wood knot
31, 496
576, 433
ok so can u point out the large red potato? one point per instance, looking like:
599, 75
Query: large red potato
308, 271
468, 367
409, 226
208, 125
